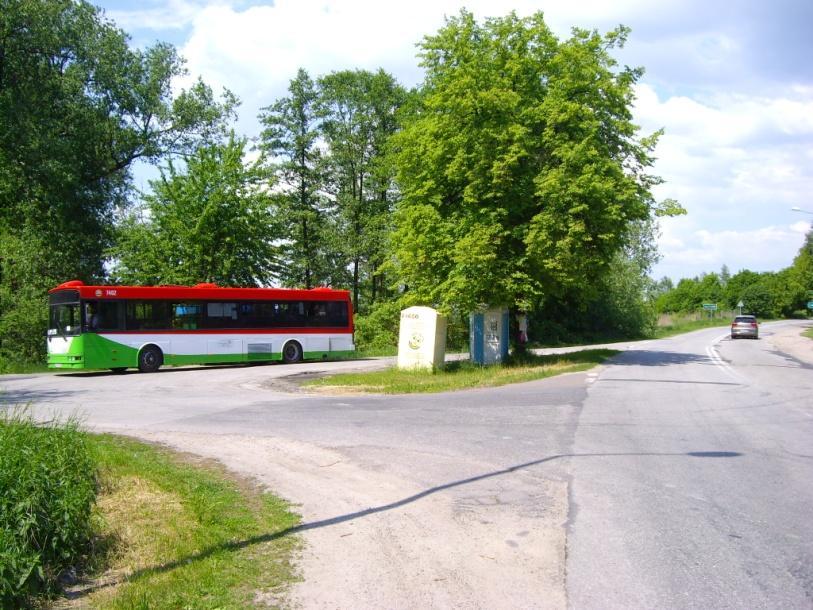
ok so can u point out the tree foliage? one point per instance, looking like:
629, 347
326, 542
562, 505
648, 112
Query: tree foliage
211, 222
77, 107
767, 294
291, 136
521, 171
328, 142
358, 112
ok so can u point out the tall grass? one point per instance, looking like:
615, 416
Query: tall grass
680, 326
47, 490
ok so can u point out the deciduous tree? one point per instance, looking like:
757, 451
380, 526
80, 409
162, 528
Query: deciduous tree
358, 111
211, 222
521, 170
291, 137
77, 107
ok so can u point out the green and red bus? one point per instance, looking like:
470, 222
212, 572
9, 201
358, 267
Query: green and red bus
120, 327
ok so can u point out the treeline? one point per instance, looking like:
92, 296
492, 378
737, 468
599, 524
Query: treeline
767, 294
511, 176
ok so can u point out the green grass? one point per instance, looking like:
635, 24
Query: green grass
372, 352
808, 333
47, 489
462, 375
687, 326
183, 534
22, 368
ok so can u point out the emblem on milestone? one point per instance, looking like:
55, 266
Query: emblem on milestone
415, 341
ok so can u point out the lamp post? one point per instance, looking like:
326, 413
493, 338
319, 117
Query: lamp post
798, 209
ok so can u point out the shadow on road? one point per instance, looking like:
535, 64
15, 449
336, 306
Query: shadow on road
164, 370
23, 397
241, 544
187, 368
638, 357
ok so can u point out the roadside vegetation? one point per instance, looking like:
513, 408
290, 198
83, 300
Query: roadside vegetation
512, 175
781, 294
808, 333
462, 375
47, 490
680, 326
123, 524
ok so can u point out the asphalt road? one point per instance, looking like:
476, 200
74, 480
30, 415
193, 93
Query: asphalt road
680, 475
693, 479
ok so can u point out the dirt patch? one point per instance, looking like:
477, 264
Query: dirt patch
377, 537
791, 341
294, 384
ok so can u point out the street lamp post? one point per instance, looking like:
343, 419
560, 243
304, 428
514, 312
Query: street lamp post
798, 209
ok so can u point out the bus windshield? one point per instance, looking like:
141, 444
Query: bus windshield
64, 315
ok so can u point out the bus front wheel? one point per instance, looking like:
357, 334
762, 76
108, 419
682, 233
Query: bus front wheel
292, 352
150, 359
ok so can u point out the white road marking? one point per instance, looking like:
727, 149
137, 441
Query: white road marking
711, 350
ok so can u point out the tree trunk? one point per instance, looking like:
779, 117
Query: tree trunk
355, 284
307, 250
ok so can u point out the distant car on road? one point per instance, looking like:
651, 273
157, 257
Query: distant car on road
745, 326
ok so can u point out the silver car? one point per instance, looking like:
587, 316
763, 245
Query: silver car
745, 326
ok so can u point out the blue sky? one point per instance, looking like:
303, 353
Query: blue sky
731, 83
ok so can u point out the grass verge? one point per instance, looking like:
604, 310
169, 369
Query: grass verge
8, 367
462, 375
808, 333
679, 328
47, 489
178, 533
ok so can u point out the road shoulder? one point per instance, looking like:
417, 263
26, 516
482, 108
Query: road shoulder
376, 537
789, 340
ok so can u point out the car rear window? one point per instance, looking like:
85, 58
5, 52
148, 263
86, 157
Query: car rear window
745, 319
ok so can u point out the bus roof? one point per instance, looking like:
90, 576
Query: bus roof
201, 292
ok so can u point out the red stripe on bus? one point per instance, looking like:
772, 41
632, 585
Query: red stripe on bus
234, 331
203, 293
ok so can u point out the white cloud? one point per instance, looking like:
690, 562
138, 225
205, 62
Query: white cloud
734, 162
736, 153
802, 227
166, 15
767, 248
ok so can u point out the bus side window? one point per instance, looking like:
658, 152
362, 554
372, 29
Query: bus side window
186, 316
221, 315
291, 314
148, 315
336, 313
102, 315
317, 314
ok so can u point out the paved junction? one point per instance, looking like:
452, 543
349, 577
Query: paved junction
678, 475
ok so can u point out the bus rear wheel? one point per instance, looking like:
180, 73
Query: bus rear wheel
292, 352
150, 359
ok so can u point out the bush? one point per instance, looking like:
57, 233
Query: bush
48, 483
378, 329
